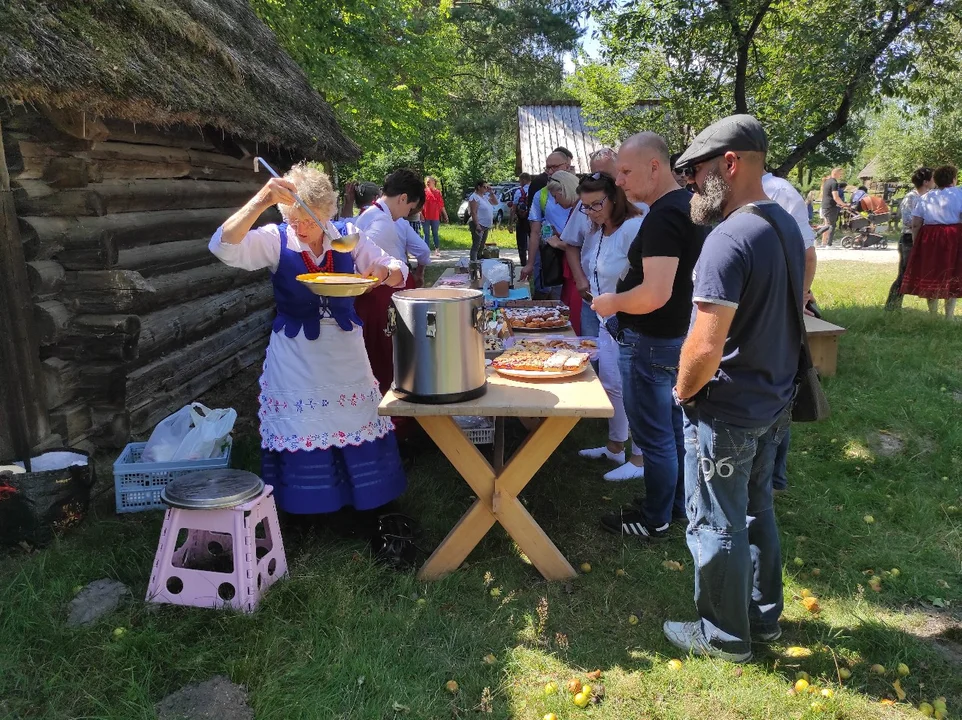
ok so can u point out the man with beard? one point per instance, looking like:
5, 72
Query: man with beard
648, 316
736, 382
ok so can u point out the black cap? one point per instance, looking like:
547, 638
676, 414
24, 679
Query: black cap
736, 133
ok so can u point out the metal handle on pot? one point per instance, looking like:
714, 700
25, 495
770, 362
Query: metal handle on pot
391, 322
478, 319
432, 324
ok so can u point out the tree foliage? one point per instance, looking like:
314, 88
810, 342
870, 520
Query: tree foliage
806, 70
430, 84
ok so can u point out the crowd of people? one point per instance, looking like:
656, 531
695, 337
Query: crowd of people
691, 270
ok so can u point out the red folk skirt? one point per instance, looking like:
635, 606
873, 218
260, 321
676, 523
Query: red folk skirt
934, 270
571, 297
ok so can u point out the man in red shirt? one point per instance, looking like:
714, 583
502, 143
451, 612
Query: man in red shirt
433, 213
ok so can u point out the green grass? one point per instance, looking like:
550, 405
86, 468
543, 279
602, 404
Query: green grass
343, 638
458, 237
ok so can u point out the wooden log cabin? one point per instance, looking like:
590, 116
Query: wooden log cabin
129, 130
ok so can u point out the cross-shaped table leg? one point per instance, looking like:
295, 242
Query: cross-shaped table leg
497, 494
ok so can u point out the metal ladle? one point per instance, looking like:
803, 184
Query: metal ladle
345, 243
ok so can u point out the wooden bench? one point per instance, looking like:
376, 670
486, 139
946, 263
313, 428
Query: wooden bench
823, 341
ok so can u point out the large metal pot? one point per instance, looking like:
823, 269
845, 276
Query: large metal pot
438, 344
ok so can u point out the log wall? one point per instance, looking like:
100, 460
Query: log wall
134, 316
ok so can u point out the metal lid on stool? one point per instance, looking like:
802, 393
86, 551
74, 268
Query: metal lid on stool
212, 489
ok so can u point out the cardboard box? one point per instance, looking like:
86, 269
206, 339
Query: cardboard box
500, 289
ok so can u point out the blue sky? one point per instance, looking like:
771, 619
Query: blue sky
589, 44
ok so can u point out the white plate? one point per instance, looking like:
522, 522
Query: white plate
540, 374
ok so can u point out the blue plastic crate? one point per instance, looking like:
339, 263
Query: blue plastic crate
137, 485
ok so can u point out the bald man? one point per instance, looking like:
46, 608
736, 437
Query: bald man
648, 316
736, 382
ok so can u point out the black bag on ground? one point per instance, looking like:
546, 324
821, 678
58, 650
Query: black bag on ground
53, 497
810, 404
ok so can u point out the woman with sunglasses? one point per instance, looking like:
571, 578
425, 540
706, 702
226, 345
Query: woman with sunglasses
324, 447
615, 222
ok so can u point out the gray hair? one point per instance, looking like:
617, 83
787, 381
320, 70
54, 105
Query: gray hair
566, 183
605, 153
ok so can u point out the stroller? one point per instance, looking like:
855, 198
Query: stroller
862, 231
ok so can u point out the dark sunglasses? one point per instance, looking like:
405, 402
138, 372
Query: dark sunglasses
690, 171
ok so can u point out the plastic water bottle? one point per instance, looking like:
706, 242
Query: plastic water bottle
546, 232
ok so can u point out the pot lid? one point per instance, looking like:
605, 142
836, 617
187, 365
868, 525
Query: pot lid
212, 489
438, 294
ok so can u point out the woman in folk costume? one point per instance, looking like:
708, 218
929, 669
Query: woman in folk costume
324, 447
934, 269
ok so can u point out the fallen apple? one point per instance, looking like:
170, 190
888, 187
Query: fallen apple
817, 707
574, 685
675, 664
489, 659
797, 652
811, 604
586, 689
877, 669
903, 670
926, 709
895, 572
802, 685
869, 519
550, 716
802, 675
828, 693
844, 673
550, 688
452, 686
816, 572
581, 700
595, 674
422, 601
120, 632
799, 562
495, 591
806, 593
586, 567
632, 619
619, 572
939, 704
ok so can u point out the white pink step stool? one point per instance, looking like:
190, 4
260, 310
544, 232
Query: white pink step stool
220, 546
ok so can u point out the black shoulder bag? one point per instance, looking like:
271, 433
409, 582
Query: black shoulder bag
810, 404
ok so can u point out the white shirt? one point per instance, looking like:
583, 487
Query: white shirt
605, 257
376, 222
940, 206
485, 209
553, 214
261, 248
516, 197
578, 232
414, 244
791, 200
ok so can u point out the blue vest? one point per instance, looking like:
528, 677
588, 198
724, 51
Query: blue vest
297, 306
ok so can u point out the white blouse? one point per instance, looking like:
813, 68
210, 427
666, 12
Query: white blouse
605, 257
940, 206
261, 248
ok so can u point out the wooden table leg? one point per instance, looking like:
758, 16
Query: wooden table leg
497, 492
498, 444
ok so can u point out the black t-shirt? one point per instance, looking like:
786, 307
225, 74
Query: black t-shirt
828, 200
666, 232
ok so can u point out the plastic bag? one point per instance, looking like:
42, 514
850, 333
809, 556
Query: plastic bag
195, 432
494, 271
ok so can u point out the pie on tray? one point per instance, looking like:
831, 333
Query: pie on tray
544, 360
537, 317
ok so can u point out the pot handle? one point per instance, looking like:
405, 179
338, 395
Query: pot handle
391, 321
478, 319
431, 330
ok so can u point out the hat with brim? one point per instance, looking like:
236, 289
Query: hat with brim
736, 133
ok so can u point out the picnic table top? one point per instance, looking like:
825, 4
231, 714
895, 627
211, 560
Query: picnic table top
815, 326
579, 396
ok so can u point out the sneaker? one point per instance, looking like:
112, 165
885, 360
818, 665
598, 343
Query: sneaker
688, 636
768, 637
632, 522
628, 471
602, 452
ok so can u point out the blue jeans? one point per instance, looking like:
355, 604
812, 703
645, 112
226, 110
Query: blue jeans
780, 474
431, 227
590, 324
649, 369
731, 528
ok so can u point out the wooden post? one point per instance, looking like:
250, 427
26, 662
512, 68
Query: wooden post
23, 415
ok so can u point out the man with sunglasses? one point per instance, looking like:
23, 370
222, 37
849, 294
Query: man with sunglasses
648, 316
545, 211
736, 382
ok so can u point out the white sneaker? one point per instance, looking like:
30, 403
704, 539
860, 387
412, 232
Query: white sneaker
688, 636
628, 471
602, 452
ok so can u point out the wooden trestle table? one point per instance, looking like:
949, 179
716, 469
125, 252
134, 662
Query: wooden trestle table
560, 404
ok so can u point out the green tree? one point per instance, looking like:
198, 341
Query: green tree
806, 71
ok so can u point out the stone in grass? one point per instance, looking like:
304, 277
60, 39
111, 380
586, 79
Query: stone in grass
888, 444
96, 600
215, 699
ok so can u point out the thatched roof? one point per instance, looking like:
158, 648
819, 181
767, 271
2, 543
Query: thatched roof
199, 62
870, 170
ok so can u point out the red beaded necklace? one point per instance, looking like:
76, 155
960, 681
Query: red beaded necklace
327, 263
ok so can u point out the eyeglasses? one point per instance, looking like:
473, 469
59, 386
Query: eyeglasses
692, 170
305, 223
594, 207
550, 169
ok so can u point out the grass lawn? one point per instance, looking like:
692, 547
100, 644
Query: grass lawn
458, 237
343, 638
